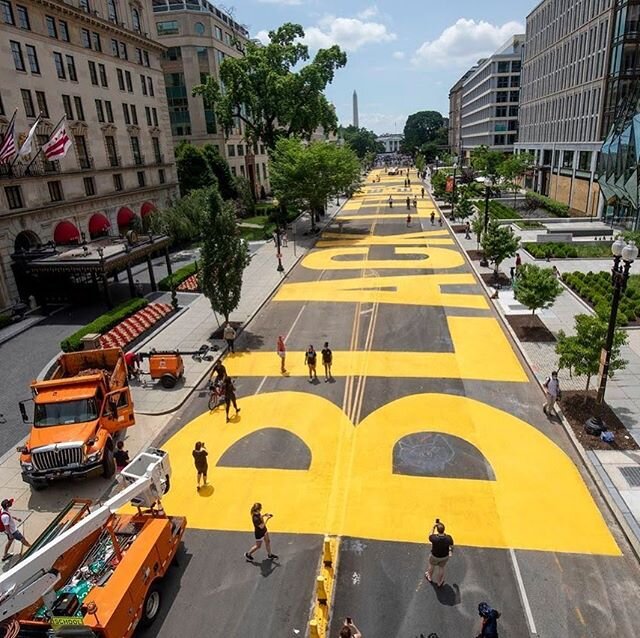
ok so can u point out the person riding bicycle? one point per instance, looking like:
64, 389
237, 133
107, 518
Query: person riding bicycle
220, 374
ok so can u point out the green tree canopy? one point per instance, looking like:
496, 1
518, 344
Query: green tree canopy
193, 169
361, 140
580, 353
421, 128
514, 166
477, 226
225, 255
183, 220
246, 202
486, 161
221, 171
464, 208
536, 287
307, 175
269, 97
498, 243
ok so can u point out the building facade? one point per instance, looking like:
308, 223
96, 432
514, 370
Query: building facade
198, 37
490, 100
391, 142
95, 62
564, 85
455, 116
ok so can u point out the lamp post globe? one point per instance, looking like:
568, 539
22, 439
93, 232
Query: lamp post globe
630, 252
617, 247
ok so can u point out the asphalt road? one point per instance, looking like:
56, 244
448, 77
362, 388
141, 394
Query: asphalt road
438, 418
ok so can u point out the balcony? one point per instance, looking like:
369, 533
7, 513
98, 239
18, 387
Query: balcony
138, 159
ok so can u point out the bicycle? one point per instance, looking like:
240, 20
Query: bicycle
216, 395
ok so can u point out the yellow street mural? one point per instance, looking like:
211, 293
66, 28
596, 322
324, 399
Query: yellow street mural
432, 238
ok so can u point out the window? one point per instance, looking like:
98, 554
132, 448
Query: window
135, 19
499, 140
66, 105
503, 67
41, 99
93, 73
18, 60
71, 68
218, 32
503, 82
124, 54
89, 186
55, 191
233, 171
515, 80
147, 113
120, 75
261, 149
7, 12
23, 17
27, 100
567, 159
516, 66
125, 112
103, 76
168, 27
135, 150
513, 111
584, 161
240, 149
138, 55
84, 5
141, 179
99, 111
173, 53
202, 53
143, 84
134, 114
57, 59
501, 111
127, 77
95, 38
155, 116
79, 110
150, 83
51, 27
14, 196
63, 28
115, 51
231, 150
156, 150
199, 28
117, 182
109, 111
85, 38
210, 120
514, 96
112, 153
32, 56
112, 11
81, 150
242, 170
161, 177
145, 57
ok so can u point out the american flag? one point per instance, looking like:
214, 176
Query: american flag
8, 147
59, 143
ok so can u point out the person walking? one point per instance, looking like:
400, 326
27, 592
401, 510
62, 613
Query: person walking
408, 203
441, 550
433, 218
408, 220
10, 529
422, 192
327, 360
467, 230
390, 201
281, 349
121, 456
440, 220
229, 335
415, 202
552, 393
260, 531
200, 459
349, 630
518, 261
489, 622
230, 396
310, 357
408, 180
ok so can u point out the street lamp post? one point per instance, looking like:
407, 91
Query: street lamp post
619, 277
487, 185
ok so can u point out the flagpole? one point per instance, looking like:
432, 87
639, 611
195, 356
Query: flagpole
15, 159
55, 128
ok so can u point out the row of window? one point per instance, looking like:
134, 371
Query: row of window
231, 149
16, 200
171, 27
563, 158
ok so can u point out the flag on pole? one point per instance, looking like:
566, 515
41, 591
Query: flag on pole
59, 143
25, 149
8, 146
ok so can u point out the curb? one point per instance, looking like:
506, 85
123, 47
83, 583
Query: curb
630, 535
32, 325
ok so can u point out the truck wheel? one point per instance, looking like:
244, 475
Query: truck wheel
168, 381
151, 606
108, 464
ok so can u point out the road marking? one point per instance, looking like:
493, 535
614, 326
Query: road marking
523, 594
366, 312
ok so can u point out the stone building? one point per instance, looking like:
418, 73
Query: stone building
97, 62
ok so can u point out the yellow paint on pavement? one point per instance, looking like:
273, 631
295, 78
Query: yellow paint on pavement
432, 238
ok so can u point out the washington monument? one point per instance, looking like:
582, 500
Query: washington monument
355, 110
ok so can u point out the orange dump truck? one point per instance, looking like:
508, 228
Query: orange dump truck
78, 412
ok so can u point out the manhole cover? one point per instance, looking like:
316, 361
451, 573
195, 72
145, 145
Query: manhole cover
631, 475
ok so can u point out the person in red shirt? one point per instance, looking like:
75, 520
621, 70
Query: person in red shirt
132, 359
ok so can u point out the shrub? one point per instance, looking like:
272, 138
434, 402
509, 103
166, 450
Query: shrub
103, 323
535, 200
177, 277
499, 211
5, 320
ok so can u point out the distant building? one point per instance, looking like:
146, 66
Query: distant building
455, 115
391, 142
356, 119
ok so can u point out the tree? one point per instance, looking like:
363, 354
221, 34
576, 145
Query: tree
430, 151
246, 199
513, 168
361, 140
536, 287
477, 226
221, 171
439, 183
464, 209
498, 243
420, 162
262, 90
421, 128
307, 175
225, 255
580, 353
193, 169
486, 161
183, 220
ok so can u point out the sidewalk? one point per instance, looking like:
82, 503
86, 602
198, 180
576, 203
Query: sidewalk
617, 473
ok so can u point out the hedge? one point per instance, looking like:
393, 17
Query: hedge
5, 320
500, 211
103, 323
557, 250
178, 277
535, 200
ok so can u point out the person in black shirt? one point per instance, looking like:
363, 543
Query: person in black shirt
441, 549
327, 360
121, 456
310, 357
200, 459
489, 626
230, 396
260, 531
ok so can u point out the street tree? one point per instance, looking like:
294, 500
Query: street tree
225, 255
193, 169
498, 243
464, 208
429, 151
421, 128
361, 140
246, 200
513, 168
307, 175
272, 91
182, 221
420, 162
536, 288
486, 161
580, 353
477, 227
439, 183
221, 171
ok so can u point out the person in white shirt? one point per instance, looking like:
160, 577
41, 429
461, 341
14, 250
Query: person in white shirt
229, 335
552, 391
10, 529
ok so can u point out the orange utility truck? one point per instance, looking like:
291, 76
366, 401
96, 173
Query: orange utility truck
98, 574
78, 413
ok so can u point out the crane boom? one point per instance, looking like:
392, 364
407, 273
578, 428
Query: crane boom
146, 479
